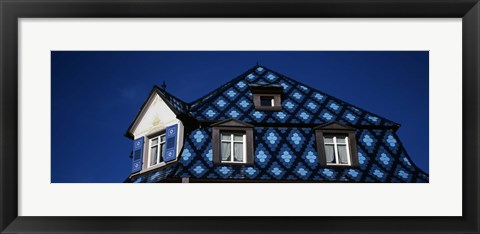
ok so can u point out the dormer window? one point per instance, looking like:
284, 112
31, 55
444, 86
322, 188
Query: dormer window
267, 101
336, 145
337, 150
266, 96
232, 142
156, 150
233, 147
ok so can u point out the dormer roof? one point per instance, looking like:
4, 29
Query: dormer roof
334, 126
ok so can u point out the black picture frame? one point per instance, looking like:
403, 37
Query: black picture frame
11, 11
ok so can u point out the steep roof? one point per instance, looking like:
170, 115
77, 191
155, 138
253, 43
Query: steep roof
283, 152
173, 102
301, 104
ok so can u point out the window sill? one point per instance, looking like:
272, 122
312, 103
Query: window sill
233, 163
340, 165
268, 108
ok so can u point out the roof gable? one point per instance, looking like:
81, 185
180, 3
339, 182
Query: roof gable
159, 107
231, 123
301, 104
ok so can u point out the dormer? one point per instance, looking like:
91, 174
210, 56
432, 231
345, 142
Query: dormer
157, 132
336, 145
266, 96
232, 142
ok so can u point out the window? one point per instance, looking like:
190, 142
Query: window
267, 96
266, 101
336, 149
233, 147
232, 142
156, 150
336, 145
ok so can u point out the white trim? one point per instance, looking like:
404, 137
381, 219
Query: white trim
245, 148
232, 143
348, 151
159, 149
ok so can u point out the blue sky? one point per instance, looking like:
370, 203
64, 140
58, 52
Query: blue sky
96, 95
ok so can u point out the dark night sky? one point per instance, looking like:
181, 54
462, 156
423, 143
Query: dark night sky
96, 95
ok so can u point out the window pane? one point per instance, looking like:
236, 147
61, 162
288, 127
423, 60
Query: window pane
155, 141
162, 138
341, 139
162, 152
342, 154
266, 101
328, 139
153, 155
226, 136
238, 152
238, 137
330, 153
225, 151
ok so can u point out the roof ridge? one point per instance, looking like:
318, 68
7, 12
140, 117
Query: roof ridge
164, 91
172, 101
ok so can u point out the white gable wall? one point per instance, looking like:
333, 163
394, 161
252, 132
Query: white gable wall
154, 118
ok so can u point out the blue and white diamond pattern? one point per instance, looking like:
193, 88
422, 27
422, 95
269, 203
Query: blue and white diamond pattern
271, 77
231, 94
221, 103
290, 153
244, 104
272, 138
301, 171
285, 86
251, 77
241, 85
260, 70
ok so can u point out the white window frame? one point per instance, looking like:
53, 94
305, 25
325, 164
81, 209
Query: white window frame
272, 103
335, 147
160, 154
232, 141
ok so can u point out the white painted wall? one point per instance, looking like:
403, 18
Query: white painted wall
155, 117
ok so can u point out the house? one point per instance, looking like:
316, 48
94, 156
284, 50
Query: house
265, 127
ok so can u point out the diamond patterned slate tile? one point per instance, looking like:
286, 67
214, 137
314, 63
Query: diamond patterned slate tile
301, 103
178, 104
276, 159
288, 153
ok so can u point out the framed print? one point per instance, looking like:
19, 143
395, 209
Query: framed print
317, 116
